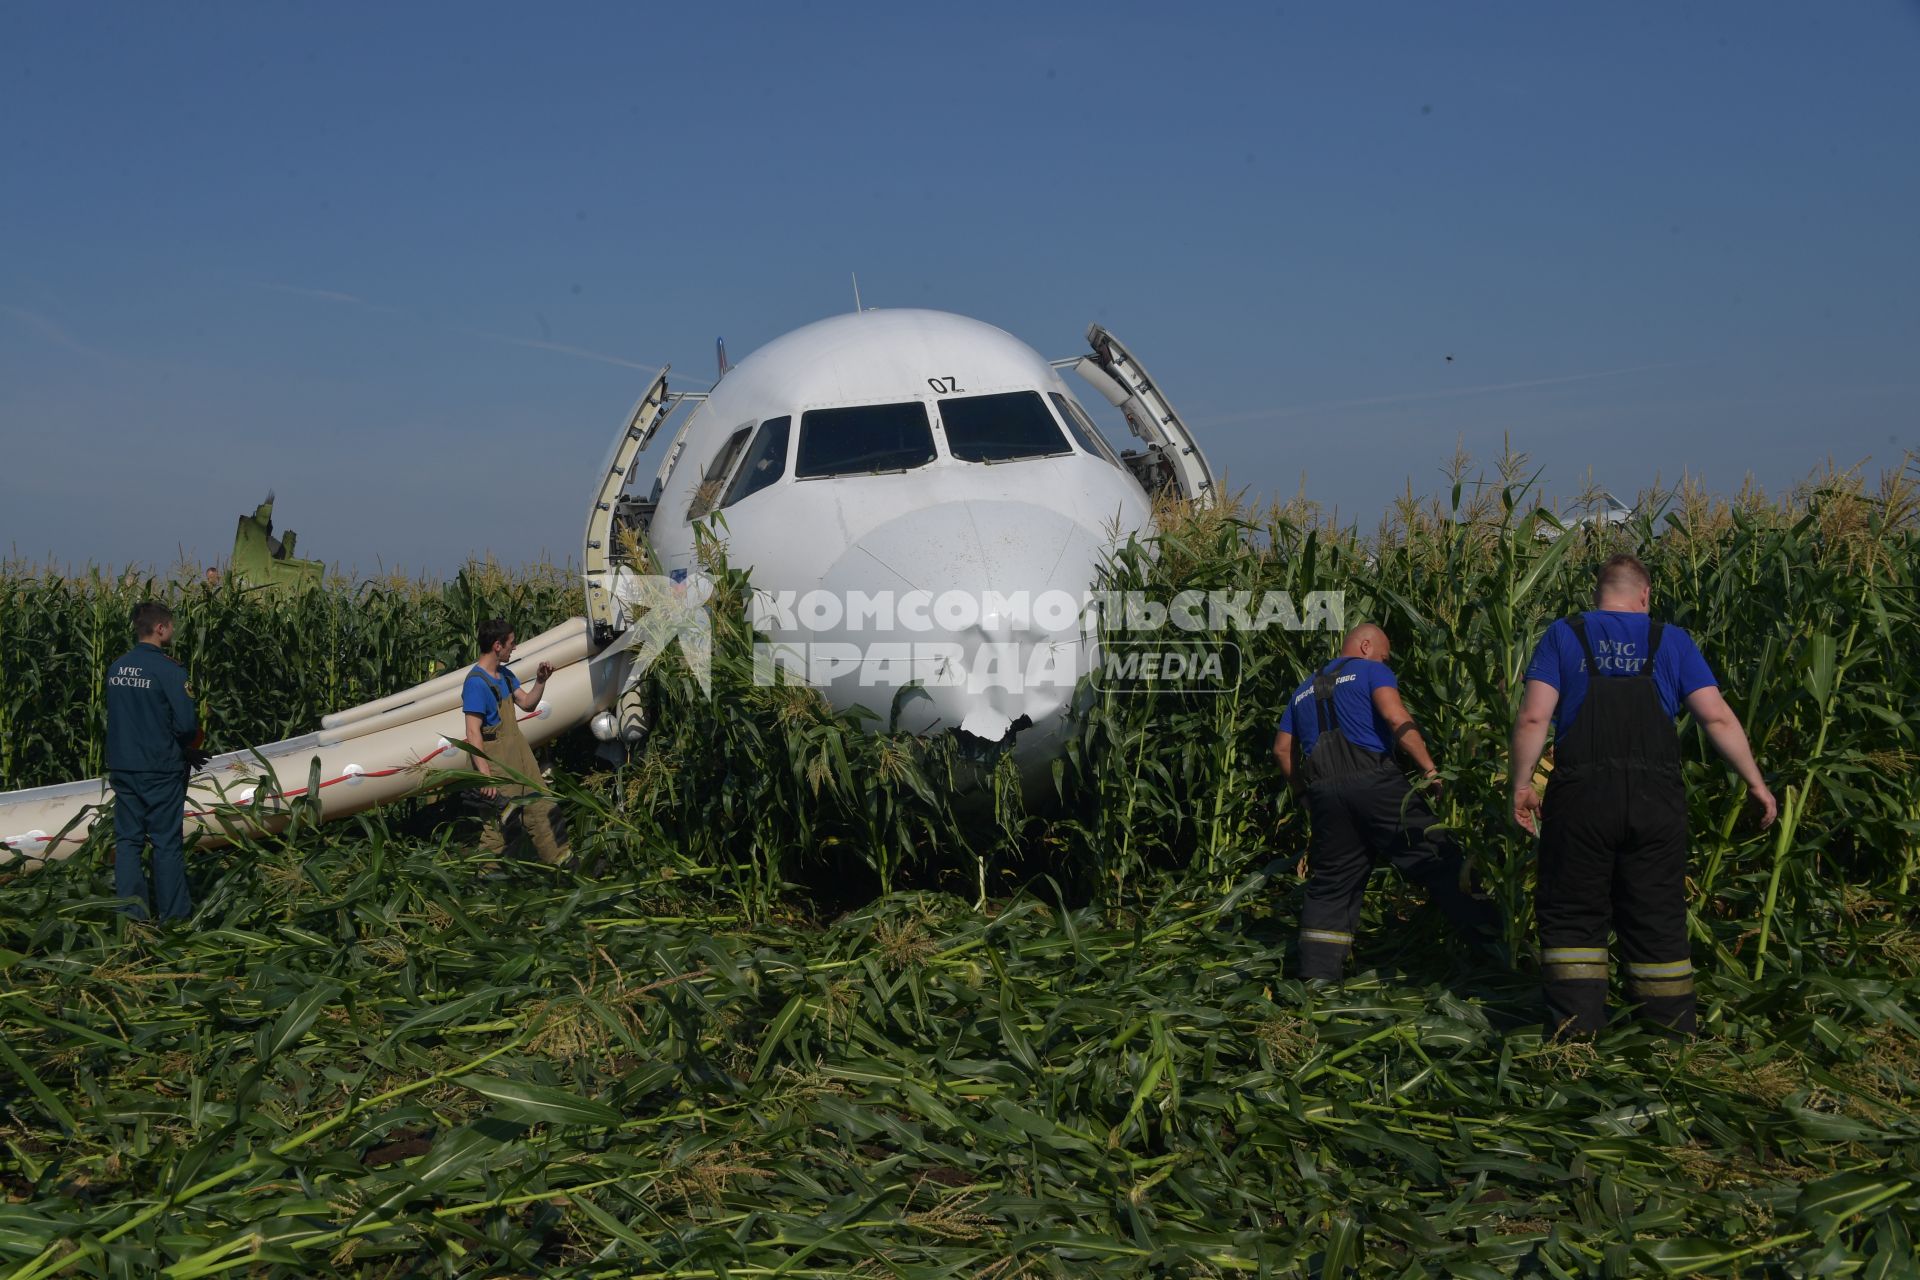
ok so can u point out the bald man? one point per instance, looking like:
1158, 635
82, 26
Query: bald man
1613, 854
1336, 742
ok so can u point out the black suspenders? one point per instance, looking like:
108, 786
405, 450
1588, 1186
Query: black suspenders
1323, 687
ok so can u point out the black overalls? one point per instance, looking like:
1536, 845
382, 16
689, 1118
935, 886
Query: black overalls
1613, 851
1363, 810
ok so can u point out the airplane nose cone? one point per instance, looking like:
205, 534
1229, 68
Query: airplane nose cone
982, 603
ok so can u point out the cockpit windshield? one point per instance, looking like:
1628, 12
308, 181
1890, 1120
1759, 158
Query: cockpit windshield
765, 463
1083, 429
1000, 428
863, 439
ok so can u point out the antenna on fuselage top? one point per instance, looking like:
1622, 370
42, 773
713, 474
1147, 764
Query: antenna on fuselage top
856, 291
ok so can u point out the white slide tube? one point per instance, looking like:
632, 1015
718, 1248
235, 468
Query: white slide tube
568, 651
533, 650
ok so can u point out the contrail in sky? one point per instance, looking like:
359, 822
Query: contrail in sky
564, 349
325, 295
53, 332
1443, 393
582, 353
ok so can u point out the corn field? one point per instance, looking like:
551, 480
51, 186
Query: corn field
806, 1008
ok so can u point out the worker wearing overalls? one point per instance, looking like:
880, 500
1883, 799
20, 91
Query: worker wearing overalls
1613, 847
492, 698
153, 735
1335, 741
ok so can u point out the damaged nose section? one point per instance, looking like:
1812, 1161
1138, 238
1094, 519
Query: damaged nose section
980, 629
991, 728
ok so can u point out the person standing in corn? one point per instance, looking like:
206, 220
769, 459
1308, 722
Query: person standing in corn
153, 736
492, 698
1613, 826
1336, 742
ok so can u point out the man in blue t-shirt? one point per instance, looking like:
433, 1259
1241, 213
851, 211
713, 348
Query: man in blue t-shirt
1336, 742
1613, 827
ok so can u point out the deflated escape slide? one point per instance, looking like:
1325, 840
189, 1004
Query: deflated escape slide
365, 756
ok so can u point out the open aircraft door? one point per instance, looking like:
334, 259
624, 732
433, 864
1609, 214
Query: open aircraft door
1172, 461
607, 519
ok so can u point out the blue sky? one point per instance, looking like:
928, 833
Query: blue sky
410, 265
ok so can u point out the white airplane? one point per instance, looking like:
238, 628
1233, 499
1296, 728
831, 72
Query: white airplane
922, 504
911, 458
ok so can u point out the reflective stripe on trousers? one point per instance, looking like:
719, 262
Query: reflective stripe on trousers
1561, 963
1669, 978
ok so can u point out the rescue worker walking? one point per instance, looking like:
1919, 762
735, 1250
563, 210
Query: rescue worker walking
489, 697
1613, 827
1336, 741
153, 736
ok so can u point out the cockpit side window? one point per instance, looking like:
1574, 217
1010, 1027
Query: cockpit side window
714, 479
863, 439
765, 463
1084, 432
1001, 428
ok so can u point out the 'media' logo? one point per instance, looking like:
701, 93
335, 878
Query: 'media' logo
1147, 666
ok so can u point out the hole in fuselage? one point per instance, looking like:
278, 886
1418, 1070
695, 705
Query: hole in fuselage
976, 747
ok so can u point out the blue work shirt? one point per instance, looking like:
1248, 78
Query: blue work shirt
150, 717
1353, 690
483, 695
1619, 640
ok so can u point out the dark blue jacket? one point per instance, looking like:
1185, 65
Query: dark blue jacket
150, 716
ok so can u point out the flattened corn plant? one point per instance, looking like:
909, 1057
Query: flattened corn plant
375, 1053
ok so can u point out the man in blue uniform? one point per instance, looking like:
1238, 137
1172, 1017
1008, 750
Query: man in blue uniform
1613, 827
492, 698
152, 736
1336, 740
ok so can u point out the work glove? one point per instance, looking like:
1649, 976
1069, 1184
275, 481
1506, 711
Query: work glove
197, 759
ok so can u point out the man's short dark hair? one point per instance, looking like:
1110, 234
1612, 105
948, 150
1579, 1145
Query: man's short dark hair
147, 617
1621, 573
492, 632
